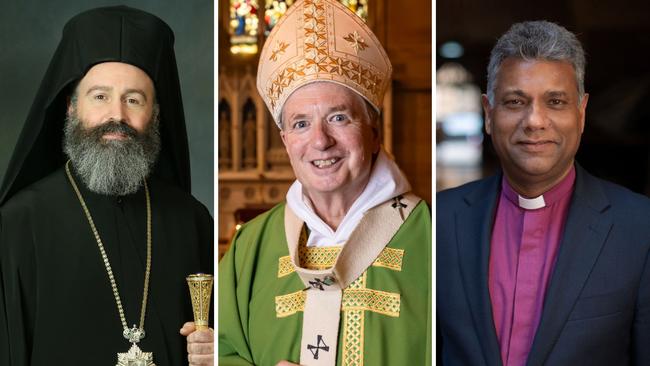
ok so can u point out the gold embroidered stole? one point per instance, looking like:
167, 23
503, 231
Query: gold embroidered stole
323, 297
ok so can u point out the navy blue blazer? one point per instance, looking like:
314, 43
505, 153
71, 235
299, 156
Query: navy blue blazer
597, 305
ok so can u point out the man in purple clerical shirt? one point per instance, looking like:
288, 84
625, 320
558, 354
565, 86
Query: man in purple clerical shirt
542, 264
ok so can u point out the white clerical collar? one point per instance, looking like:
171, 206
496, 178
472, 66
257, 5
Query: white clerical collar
386, 181
531, 203
547, 199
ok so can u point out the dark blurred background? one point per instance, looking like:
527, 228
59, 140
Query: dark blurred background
616, 39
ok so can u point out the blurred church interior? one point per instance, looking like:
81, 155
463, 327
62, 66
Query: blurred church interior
254, 171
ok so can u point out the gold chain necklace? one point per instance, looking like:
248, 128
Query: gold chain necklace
133, 335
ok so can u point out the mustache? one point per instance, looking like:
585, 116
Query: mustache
112, 126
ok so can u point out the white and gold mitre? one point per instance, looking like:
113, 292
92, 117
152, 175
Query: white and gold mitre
321, 40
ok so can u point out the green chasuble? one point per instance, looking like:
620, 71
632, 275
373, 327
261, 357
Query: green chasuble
386, 312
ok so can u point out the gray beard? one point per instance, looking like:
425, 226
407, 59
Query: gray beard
111, 167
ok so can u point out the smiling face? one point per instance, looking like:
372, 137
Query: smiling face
115, 91
329, 138
536, 122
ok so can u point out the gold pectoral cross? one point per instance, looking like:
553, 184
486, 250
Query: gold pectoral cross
135, 357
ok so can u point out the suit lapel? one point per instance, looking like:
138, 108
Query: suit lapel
473, 230
586, 230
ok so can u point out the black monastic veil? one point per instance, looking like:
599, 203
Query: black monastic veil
119, 34
56, 303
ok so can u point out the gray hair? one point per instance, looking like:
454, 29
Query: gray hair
537, 40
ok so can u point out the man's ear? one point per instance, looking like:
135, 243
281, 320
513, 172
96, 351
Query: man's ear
485, 101
283, 137
70, 108
583, 111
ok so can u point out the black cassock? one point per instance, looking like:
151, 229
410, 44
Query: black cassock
57, 304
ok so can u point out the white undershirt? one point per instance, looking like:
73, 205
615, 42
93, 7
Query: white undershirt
386, 181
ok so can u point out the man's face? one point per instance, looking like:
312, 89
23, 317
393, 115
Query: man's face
115, 91
536, 121
111, 133
329, 139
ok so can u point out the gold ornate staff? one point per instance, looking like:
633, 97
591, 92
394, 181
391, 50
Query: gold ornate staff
200, 285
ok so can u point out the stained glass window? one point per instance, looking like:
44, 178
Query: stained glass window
244, 20
244, 23
360, 7
274, 10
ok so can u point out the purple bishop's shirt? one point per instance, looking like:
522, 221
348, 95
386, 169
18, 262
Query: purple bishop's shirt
525, 241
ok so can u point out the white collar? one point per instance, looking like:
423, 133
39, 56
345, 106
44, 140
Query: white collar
532, 203
386, 181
